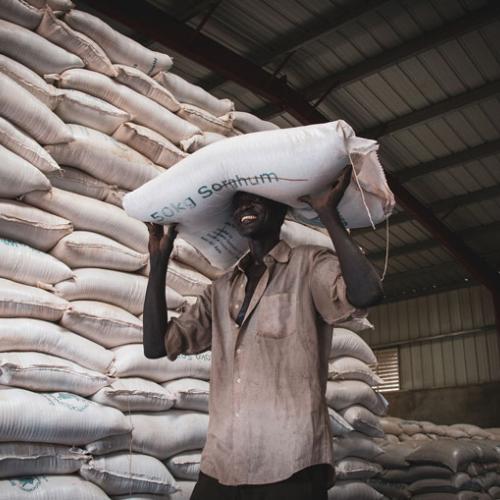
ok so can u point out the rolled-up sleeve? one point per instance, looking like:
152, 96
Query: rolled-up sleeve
328, 289
191, 332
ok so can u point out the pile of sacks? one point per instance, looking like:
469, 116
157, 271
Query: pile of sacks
440, 469
84, 414
355, 412
400, 430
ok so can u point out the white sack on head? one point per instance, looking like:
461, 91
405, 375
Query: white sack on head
77, 181
185, 465
282, 165
50, 487
347, 343
28, 113
25, 147
248, 123
25, 301
29, 80
23, 334
83, 109
159, 434
199, 141
41, 372
88, 214
143, 110
119, 48
135, 394
131, 362
103, 157
189, 93
34, 51
30, 225
105, 324
129, 473
25, 459
145, 85
86, 249
57, 417
19, 176
22, 13
150, 143
190, 393
27, 265
58, 32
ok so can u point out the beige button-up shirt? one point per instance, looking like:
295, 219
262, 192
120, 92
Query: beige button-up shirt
268, 414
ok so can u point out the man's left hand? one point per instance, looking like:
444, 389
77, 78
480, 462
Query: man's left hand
328, 200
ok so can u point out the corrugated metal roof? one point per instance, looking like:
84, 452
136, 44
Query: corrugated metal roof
260, 29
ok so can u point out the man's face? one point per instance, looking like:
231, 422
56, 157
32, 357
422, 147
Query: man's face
255, 216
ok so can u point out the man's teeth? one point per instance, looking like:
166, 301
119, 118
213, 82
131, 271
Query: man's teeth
248, 218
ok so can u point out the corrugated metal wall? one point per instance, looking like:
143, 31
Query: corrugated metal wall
468, 354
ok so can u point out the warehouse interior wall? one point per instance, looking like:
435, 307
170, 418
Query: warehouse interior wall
447, 345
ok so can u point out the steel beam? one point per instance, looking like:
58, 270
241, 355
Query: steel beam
432, 111
477, 268
153, 23
321, 25
467, 155
394, 56
420, 246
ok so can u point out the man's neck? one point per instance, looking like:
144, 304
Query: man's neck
259, 248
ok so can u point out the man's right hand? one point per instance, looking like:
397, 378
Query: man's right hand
160, 243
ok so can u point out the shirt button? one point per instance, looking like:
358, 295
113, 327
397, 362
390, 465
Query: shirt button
236, 325
237, 414
238, 350
238, 380
236, 306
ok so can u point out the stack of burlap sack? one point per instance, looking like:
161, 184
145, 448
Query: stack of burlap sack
440, 469
86, 115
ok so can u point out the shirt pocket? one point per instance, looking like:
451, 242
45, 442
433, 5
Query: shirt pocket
277, 317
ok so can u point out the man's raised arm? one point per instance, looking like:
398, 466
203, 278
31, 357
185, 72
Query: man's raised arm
155, 317
364, 288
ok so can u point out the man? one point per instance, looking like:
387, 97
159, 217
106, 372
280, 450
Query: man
268, 323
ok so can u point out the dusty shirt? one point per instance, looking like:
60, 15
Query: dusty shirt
268, 414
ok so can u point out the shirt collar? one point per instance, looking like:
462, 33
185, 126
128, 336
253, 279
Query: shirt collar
280, 253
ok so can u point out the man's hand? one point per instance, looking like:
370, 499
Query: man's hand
160, 243
328, 200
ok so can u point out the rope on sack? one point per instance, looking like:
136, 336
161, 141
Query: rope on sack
386, 259
361, 192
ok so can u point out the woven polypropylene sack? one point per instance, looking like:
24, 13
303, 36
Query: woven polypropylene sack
88, 214
129, 473
26, 459
27, 265
41, 372
135, 394
24, 334
185, 465
282, 165
119, 48
56, 417
190, 393
28, 113
24, 146
348, 343
87, 249
84, 109
22, 13
58, 32
50, 487
105, 324
34, 51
